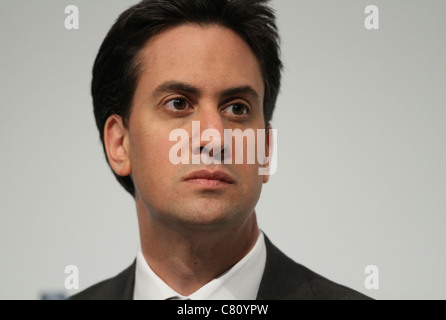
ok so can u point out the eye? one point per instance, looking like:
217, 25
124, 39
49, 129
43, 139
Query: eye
237, 109
177, 104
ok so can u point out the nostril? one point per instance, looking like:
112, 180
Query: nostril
209, 152
212, 152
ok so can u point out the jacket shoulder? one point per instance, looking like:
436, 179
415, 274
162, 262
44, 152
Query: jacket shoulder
285, 279
119, 287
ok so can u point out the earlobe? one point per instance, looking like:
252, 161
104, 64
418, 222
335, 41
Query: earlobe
116, 145
265, 178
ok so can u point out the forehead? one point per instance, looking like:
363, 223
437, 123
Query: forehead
206, 56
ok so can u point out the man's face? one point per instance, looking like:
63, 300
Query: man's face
194, 73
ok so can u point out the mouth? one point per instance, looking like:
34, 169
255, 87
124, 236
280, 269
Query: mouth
210, 179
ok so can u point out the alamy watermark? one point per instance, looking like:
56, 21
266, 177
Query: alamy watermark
371, 22
371, 282
72, 280
72, 18
219, 150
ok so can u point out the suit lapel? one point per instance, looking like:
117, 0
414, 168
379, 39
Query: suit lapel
283, 278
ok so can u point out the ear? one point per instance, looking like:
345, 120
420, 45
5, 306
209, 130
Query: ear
269, 148
116, 144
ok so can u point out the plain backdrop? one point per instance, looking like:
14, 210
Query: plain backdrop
361, 174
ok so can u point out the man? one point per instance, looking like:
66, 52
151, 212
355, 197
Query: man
167, 65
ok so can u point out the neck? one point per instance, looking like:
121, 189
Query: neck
188, 257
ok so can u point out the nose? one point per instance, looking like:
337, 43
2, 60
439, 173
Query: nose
207, 135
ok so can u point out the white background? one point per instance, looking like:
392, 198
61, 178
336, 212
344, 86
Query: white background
361, 154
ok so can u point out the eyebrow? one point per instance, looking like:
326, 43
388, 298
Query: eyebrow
176, 86
243, 90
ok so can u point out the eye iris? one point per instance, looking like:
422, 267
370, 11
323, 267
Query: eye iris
238, 109
179, 104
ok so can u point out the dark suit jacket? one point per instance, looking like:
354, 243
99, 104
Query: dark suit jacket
283, 279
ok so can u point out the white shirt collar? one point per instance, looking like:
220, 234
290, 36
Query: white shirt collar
241, 282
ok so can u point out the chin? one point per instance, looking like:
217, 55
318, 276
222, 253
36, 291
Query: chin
210, 214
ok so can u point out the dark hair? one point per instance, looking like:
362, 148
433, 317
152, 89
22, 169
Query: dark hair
115, 71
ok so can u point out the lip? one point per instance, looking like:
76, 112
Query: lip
209, 178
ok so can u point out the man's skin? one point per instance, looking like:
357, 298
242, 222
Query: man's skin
191, 231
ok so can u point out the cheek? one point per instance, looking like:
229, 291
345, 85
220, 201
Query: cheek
251, 181
149, 156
